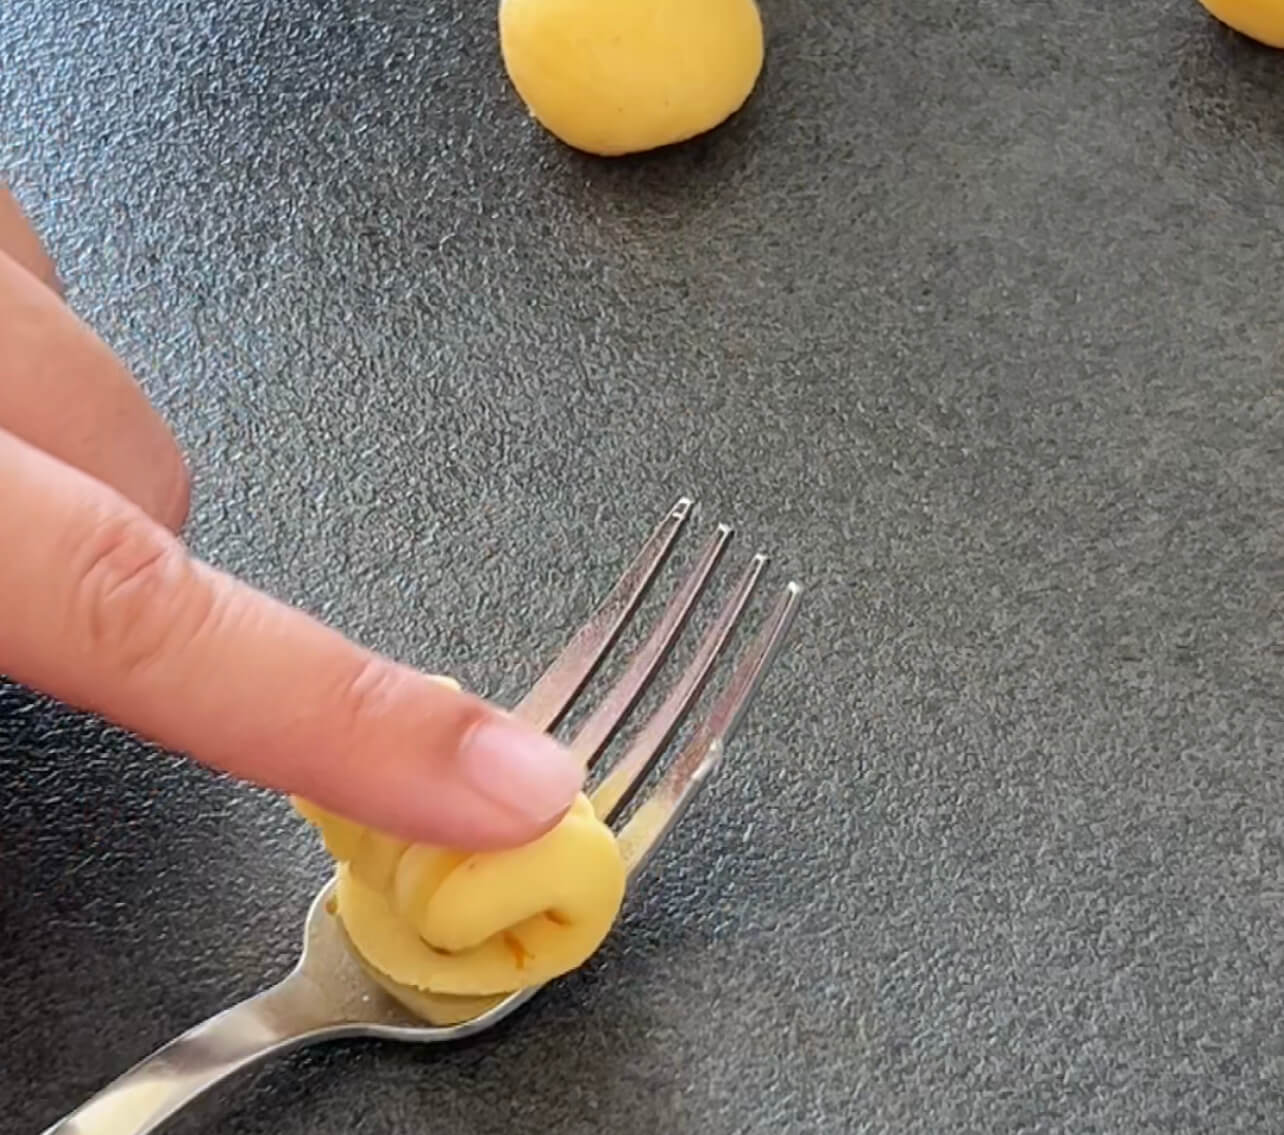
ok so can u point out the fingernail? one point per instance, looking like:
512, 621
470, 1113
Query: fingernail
519, 769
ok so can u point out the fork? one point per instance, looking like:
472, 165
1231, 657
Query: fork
331, 994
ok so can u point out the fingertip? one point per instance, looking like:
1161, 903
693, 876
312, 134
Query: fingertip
176, 501
496, 784
415, 756
19, 241
519, 770
159, 483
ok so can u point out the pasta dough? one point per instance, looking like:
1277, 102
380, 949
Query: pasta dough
1262, 20
475, 924
618, 76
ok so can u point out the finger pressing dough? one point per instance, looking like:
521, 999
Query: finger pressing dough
619, 76
475, 923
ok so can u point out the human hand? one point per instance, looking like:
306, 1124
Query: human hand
103, 607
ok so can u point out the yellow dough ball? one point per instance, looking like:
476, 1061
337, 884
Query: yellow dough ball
621, 76
1262, 20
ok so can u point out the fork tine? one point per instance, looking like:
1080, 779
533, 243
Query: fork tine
658, 814
602, 723
549, 698
618, 787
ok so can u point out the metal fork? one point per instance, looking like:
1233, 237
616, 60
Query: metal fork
330, 994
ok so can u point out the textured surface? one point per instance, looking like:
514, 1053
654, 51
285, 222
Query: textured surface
972, 316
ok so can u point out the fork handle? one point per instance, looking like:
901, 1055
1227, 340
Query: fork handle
287, 1015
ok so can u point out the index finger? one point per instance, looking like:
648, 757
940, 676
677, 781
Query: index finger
103, 607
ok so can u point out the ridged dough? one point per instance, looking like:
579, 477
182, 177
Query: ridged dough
475, 924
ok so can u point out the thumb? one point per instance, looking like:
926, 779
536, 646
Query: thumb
102, 607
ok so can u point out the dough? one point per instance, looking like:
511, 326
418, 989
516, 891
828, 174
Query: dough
475, 924
619, 76
1262, 20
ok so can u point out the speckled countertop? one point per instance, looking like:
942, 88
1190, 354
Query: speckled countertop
972, 318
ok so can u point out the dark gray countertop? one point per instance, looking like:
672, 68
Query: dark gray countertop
973, 317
